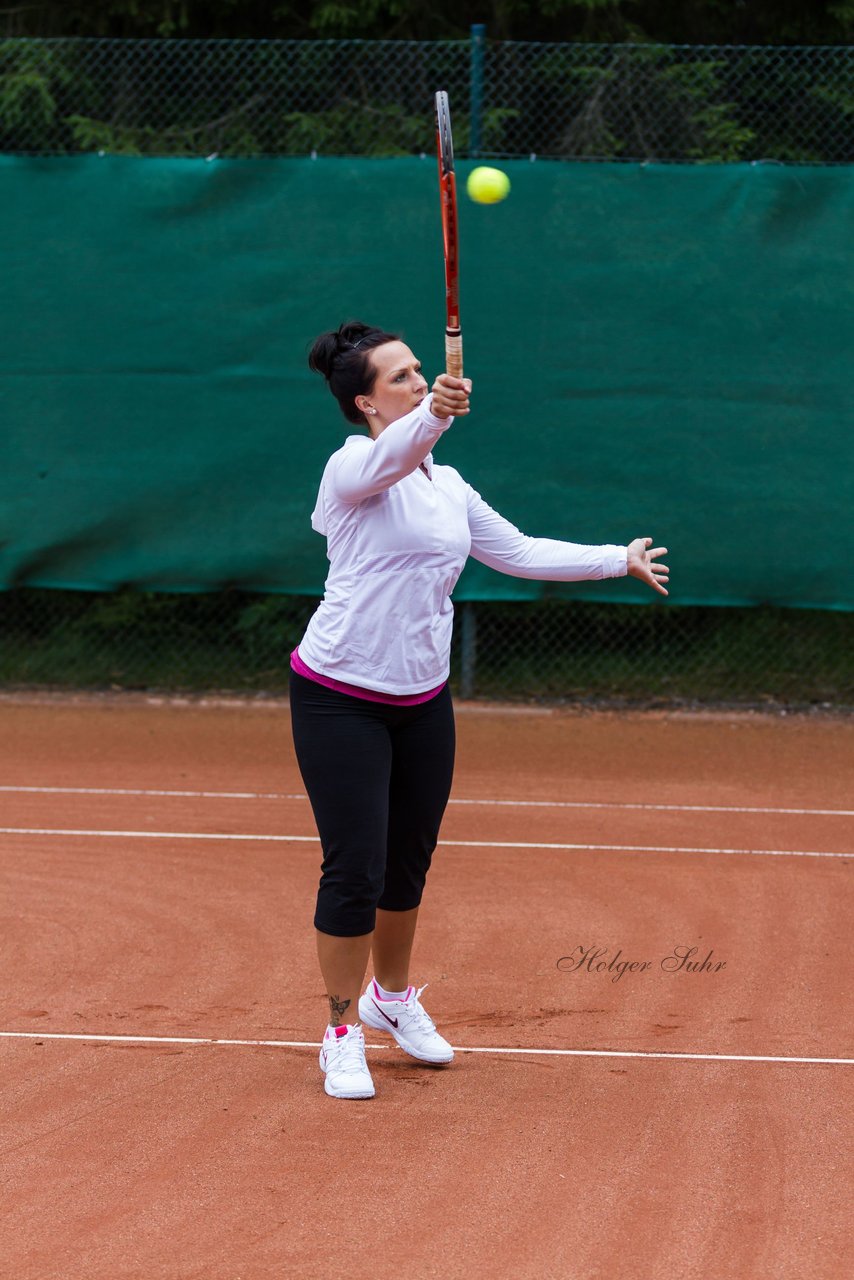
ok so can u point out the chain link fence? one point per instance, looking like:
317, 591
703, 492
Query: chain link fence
349, 97
561, 101
553, 650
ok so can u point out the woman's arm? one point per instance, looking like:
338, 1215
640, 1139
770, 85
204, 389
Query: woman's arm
366, 469
500, 545
369, 467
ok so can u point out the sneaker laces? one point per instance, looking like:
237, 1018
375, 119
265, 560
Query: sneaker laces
416, 1010
350, 1051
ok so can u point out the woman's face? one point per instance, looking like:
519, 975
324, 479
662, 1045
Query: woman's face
398, 388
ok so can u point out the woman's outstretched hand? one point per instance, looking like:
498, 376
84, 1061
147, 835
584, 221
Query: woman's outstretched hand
642, 564
451, 396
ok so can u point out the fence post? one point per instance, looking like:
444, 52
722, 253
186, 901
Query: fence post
468, 647
478, 44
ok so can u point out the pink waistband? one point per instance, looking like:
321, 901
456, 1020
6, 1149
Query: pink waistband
356, 691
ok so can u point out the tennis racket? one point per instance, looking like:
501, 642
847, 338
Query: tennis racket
448, 195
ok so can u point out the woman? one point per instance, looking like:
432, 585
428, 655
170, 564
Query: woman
372, 717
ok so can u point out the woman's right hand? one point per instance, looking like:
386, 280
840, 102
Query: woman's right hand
451, 396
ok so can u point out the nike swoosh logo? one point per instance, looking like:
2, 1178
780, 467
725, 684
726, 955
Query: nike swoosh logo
393, 1021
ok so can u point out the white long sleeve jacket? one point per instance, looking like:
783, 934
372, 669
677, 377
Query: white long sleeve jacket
397, 541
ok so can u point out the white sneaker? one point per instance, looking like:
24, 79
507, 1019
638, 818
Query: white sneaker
342, 1057
406, 1020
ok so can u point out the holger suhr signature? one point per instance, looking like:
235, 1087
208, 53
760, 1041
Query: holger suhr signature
680, 959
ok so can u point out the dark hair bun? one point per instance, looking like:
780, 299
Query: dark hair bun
341, 356
329, 347
322, 354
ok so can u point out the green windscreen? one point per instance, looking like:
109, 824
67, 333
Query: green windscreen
662, 350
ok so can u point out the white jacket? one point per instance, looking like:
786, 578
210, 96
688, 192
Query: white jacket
397, 541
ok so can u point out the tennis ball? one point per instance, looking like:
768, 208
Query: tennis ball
487, 186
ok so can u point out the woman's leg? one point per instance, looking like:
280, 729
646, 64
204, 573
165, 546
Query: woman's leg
344, 754
392, 946
423, 745
343, 963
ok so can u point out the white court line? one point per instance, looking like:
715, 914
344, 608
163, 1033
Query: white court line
144, 791
513, 804
452, 844
666, 808
315, 1044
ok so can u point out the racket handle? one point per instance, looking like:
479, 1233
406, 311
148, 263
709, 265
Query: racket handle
454, 352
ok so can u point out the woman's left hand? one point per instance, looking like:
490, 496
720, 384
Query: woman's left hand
642, 564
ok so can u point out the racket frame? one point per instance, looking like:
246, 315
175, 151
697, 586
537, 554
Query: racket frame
450, 235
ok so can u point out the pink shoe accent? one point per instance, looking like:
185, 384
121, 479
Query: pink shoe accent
407, 993
341, 1031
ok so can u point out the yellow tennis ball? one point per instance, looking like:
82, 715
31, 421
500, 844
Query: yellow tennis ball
487, 186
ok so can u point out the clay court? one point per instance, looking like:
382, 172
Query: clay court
164, 1111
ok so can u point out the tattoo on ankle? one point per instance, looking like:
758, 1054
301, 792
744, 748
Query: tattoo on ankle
337, 1009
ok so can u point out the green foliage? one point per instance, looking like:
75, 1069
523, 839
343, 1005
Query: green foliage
723, 141
549, 650
348, 130
133, 639
842, 11
636, 99
641, 100
25, 95
95, 135
663, 21
839, 97
589, 652
270, 629
30, 76
125, 140
493, 128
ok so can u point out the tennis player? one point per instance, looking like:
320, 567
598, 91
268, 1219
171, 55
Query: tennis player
372, 717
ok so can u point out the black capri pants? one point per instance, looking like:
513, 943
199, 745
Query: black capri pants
378, 777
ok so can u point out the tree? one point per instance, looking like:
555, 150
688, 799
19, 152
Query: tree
664, 21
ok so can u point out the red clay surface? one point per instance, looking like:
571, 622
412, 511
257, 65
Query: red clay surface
228, 1162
